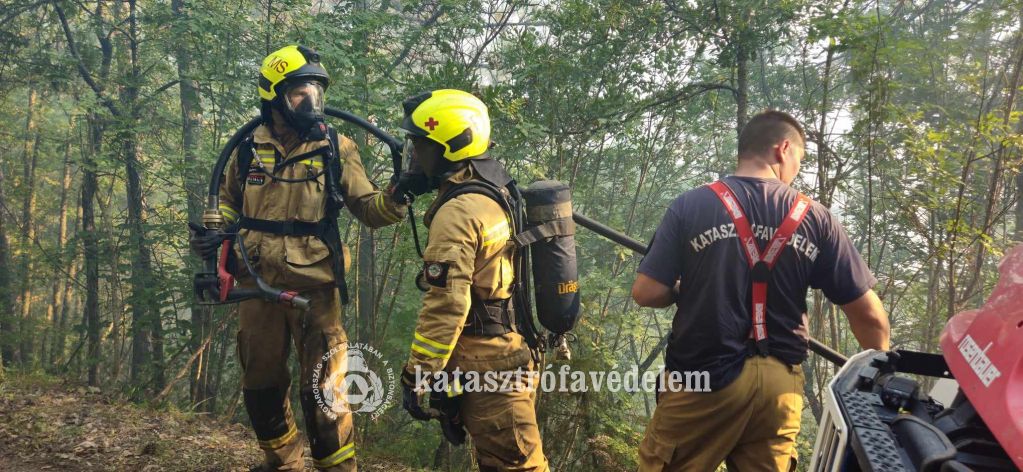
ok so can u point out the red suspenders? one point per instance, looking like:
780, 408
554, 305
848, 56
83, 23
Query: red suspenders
760, 265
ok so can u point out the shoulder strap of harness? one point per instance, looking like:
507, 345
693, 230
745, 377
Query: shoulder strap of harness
760, 263
335, 200
326, 229
333, 166
480, 187
486, 318
244, 158
498, 321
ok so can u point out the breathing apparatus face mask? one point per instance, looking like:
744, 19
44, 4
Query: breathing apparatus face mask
302, 109
413, 178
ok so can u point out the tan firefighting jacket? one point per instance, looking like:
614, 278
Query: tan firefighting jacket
469, 249
297, 262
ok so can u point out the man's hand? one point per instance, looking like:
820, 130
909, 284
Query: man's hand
413, 397
648, 292
394, 193
869, 321
205, 242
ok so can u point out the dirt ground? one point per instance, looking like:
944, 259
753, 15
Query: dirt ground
49, 425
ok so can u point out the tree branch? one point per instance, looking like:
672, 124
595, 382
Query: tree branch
687, 92
17, 11
73, 47
158, 91
492, 37
191, 360
654, 354
415, 37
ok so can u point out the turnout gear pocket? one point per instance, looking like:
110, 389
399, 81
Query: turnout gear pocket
307, 259
305, 250
499, 438
257, 188
332, 343
311, 204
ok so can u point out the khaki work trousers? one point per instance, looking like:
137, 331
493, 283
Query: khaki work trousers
266, 333
751, 424
504, 430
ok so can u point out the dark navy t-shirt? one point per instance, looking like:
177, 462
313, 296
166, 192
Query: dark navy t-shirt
696, 244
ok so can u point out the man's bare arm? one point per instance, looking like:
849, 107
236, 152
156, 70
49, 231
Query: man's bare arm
868, 320
648, 292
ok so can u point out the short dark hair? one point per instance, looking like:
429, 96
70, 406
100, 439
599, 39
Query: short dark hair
767, 129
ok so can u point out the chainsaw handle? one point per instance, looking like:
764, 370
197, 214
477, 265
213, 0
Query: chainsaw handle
225, 281
238, 294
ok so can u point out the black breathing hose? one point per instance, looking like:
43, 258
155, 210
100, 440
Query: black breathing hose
213, 219
392, 143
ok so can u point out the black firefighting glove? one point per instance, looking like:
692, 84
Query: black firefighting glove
409, 186
206, 242
450, 420
396, 193
412, 400
410, 183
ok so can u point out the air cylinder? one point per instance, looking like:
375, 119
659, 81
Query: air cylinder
555, 274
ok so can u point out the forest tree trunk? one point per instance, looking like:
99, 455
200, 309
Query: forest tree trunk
191, 110
28, 210
6, 290
90, 247
57, 292
741, 89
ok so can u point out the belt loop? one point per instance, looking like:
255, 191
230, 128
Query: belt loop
288, 227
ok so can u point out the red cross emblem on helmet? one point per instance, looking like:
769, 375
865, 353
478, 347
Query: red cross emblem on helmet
431, 123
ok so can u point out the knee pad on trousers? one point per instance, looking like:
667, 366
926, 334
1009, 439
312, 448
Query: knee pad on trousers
322, 430
268, 413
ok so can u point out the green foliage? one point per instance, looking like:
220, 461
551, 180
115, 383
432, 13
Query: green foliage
911, 108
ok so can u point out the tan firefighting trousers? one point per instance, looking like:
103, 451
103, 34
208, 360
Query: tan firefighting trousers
751, 424
266, 333
504, 430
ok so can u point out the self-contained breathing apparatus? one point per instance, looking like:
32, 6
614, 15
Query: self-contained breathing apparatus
544, 265
215, 284
450, 130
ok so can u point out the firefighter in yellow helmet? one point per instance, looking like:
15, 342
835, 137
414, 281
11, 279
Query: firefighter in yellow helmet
282, 190
467, 322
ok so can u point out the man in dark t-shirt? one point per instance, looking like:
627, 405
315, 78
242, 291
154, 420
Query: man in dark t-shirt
748, 411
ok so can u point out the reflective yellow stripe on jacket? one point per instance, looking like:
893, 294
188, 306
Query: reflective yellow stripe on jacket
271, 161
496, 234
384, 209
431, 348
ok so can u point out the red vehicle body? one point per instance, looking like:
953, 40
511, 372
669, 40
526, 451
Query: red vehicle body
984, 351
877, 418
